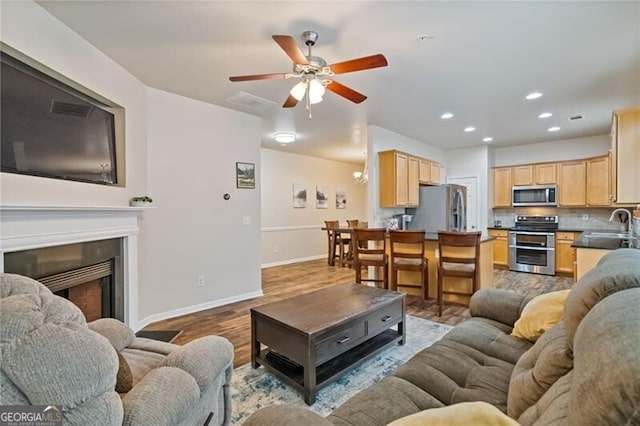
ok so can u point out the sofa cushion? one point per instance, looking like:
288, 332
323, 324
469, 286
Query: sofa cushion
540, 314
552, 407
124, 379
464, 413
538, 369
388, 400
606, 389
616, 271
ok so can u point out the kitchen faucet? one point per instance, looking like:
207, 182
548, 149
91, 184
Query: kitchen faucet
629, 225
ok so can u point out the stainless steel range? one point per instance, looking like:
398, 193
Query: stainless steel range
532, 244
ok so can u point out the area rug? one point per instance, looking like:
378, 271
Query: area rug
252, 389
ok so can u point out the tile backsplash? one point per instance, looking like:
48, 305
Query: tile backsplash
573, 219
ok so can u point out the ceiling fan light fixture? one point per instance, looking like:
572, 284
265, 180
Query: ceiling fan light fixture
316, 90
285, 137
299, 90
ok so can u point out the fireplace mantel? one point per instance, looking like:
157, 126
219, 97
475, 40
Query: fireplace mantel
24, 227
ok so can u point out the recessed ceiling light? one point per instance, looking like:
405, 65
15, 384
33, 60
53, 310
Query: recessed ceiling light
533, 95
284, 137
545, 115
487, 139
446, 116
554, 129
469, 129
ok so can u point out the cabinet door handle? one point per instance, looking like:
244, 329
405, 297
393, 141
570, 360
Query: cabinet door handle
344, 340
386, 318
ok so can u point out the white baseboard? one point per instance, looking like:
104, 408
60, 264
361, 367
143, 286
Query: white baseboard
195, 308
290, 261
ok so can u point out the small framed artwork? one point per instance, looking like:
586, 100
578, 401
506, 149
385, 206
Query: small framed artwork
322, 199
245, 175
341, 198
299, 196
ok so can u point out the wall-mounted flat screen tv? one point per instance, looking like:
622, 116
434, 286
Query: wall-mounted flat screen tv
52, 130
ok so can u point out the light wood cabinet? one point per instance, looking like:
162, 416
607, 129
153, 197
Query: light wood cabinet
572, 183
565, 254
523, 175
587, 259
429, 172
545, 173
502, 186
399, 176
598, 182
435, 173
625, 148
500, 247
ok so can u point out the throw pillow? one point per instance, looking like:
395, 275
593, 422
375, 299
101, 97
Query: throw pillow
124, 379
464, 413
540, 314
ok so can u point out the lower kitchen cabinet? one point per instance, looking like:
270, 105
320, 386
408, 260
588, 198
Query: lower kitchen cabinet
565, 254
500, 247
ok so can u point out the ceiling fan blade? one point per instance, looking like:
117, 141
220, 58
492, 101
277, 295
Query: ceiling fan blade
346, 92
291, 48
290, 102
274, 76
365, 63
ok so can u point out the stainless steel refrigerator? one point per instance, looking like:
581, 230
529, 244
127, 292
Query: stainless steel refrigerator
441, 208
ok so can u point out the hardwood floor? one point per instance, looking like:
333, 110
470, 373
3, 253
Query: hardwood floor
233, 322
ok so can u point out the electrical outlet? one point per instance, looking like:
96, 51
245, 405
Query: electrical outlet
275, 250
246, 220
200, 281
585, 216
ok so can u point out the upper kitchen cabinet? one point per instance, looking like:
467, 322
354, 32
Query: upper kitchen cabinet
501, 186
429, 172
399, 179
572, 183
534, 174
625, 161
599, 182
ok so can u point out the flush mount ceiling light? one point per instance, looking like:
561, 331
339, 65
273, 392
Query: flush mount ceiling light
533, 95
469, 129
446, 116
545, 115
284, 137
553, 129
487, 139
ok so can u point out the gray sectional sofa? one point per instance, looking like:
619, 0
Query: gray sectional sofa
583, 371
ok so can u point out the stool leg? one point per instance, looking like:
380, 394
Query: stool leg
439, 294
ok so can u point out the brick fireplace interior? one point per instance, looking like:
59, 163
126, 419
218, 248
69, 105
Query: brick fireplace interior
89, 274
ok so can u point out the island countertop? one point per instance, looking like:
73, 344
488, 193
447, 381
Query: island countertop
588, 241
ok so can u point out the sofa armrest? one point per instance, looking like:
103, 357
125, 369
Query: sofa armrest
499, 305
164, 396
286, 415
117, 333
204, 358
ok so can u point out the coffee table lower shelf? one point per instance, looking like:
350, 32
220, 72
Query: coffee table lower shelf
328, 372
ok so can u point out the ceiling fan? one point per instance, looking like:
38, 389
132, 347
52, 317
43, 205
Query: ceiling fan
313, 70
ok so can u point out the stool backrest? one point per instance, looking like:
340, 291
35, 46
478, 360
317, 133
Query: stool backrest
407, 244
459, 241
363, 236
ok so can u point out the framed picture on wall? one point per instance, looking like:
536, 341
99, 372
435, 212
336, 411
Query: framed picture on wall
245, 175
341, 198
299, 196
322, 198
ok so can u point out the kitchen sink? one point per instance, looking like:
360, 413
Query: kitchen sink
614, 235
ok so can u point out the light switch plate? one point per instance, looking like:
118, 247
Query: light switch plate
585, 216
246, 220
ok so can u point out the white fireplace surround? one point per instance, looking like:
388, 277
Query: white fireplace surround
29, 226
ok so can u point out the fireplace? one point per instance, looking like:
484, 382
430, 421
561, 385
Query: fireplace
89, 274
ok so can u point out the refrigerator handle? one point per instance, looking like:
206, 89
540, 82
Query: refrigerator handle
463, 212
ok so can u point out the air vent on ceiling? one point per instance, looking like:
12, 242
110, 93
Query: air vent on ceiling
575, 117
251, 102
73, 110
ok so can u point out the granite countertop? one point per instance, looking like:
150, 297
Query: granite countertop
433, 236
587, 240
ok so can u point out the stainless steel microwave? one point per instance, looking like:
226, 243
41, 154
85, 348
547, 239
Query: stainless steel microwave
543, 195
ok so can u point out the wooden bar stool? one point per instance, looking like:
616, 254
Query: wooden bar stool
338, 245
459, 257
370, 246
407, 254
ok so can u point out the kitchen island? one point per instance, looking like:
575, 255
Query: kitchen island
592, 245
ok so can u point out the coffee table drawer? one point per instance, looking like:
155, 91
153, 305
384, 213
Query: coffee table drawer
384, 318
339, 341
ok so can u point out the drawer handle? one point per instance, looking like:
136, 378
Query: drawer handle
386, 318
344, 340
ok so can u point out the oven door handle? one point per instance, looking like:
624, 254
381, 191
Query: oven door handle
533, 248
531, 233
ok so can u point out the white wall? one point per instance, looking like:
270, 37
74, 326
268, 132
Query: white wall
469, 162
28, 28
193, 231
295, 233
380, 139
560, 150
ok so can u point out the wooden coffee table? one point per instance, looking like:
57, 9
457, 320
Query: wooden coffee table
312, 339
